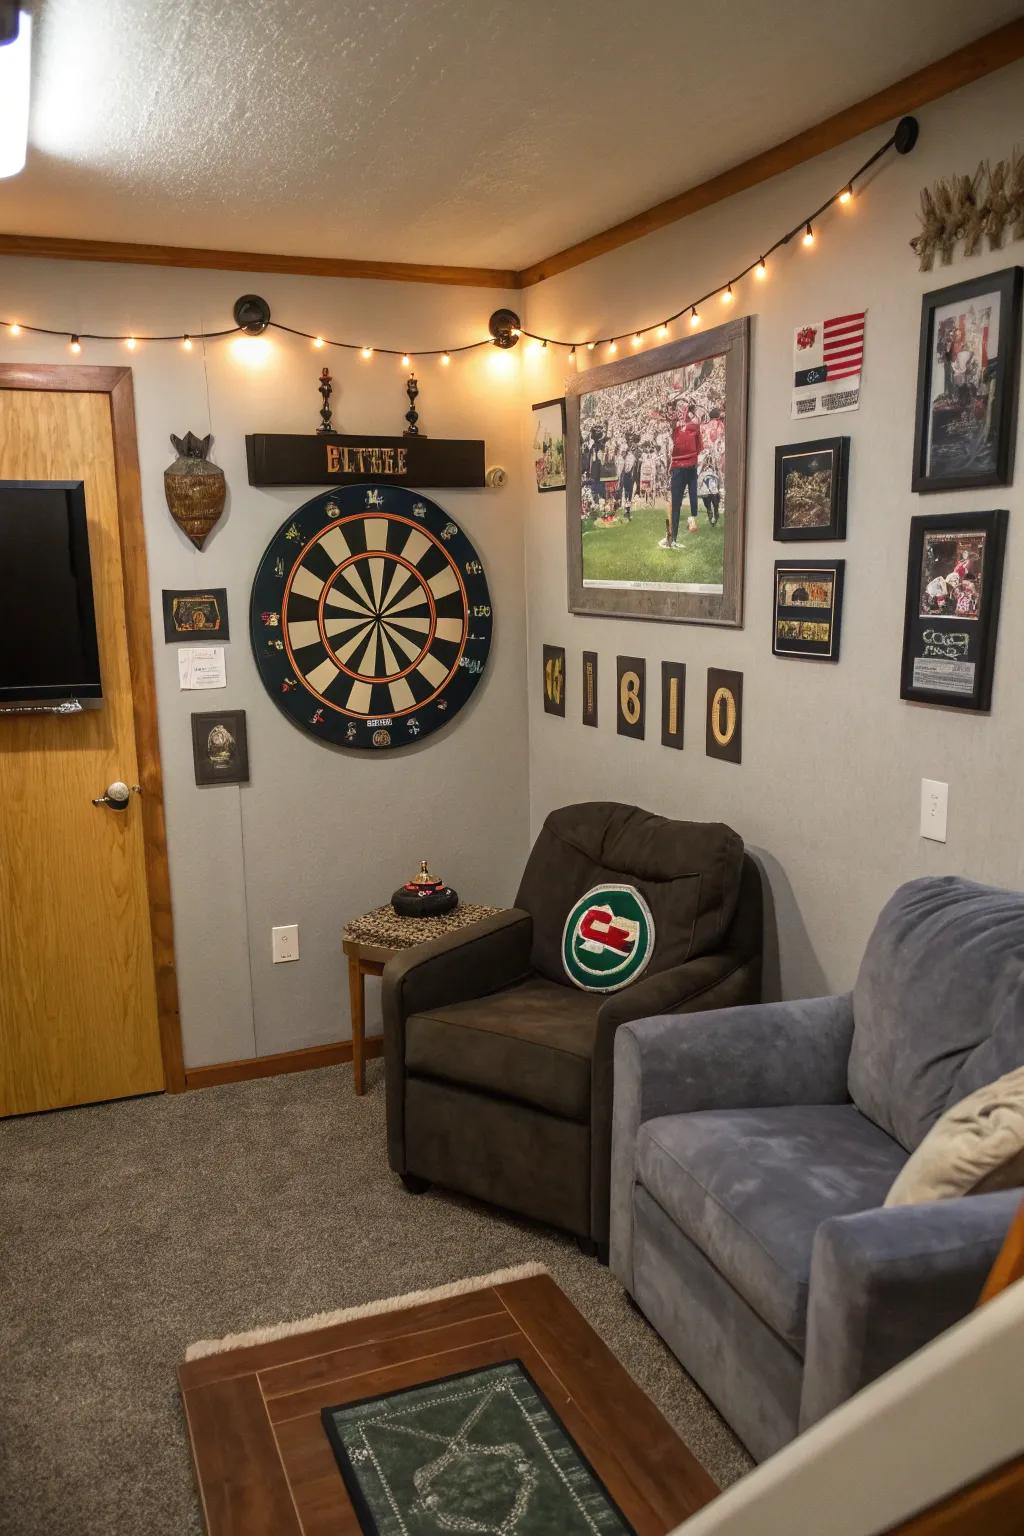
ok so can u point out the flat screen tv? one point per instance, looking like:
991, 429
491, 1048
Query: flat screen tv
48, 650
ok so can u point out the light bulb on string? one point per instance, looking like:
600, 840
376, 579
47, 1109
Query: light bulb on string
76, 345
367, 352
515, 331
846, 195
727, 295
572, 353
808, 234
761, 270
405, 359
318, 341
637, 338
14, 329
663, 328
186, 342
591, 345
130, 343
613, 346
694, 317
446, 358
544, 343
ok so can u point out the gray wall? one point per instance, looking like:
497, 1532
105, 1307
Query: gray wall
319, 834
829, 786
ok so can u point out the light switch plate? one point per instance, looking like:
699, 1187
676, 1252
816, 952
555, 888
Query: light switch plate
284, 943
934, 809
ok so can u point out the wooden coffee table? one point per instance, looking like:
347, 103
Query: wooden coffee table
263, 1462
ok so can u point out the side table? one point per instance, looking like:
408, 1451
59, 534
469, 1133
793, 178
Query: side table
370, 941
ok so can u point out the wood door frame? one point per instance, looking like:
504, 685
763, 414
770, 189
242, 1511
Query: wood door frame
116, 384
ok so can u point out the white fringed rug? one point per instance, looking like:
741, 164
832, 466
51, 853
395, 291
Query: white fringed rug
368, 1309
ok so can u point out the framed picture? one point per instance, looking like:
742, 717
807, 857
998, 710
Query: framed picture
220, 750
554, 679
549, 445
967, 380
810, 489
196, 614
656, 470
808, 608
723, 730
631, 683
589, 715
954, 576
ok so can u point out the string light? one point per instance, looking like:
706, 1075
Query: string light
76, 345
591, 345
761, 270
694, 317
808, 234
515, 331
613, 346
367, 352
727, 295
318, 341
405, 359
130, 343
663, 328
446, 357
572, 353
15, 329
846, 194
637, 338
186, 342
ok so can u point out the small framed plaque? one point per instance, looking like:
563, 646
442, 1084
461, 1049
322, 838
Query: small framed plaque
954, 579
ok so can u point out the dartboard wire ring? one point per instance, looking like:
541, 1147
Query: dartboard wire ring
360, 517
378, 618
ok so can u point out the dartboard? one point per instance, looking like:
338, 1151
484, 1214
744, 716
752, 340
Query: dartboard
370, 616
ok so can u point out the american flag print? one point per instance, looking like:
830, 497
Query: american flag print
828, 357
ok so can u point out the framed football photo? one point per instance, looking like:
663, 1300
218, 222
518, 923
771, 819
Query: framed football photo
967, 382
656, 481
954, 577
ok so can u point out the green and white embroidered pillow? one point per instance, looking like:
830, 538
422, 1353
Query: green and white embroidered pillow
608, 938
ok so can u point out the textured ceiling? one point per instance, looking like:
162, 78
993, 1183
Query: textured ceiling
474, 132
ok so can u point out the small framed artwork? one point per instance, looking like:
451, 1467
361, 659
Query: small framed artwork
200, 615
673, 703
655, 450
589, 687
808, 608
554, 680
549, 445
723, 735
967, 381
954, 578
220, 749
631, 678
810, 489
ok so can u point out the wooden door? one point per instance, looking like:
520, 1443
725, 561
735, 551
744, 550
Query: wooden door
78, 994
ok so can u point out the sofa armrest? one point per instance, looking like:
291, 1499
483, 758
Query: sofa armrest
745, 1057
485, 957
886, 1282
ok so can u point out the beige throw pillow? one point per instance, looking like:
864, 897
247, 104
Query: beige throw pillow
975, 1148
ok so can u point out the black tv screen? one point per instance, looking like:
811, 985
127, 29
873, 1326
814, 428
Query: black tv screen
48, 650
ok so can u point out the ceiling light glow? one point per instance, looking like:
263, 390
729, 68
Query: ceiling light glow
15, 69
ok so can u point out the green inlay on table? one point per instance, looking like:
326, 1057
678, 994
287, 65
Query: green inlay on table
479, 1452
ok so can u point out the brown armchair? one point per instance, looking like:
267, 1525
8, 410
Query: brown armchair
499, 1063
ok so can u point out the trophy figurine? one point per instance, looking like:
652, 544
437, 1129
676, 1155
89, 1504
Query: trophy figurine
326, 387
412, 415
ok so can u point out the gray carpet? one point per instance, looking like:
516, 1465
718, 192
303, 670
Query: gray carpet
129, 1230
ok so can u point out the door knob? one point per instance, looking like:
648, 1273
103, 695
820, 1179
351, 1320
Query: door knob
117, 796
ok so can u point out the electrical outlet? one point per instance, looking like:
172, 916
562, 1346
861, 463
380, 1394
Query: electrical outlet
285, 943
934, 809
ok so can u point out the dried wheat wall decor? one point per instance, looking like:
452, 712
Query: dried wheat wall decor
986, 205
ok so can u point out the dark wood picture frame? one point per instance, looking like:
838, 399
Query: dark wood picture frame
1009, 284
944, 645
543, 405
207, 772
835, 528
675, 606
788, 620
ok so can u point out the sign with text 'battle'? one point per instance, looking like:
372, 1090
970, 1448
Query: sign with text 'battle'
282, 458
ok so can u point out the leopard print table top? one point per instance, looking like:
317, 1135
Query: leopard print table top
383, 926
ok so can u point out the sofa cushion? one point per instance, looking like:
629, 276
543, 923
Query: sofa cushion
751, 1186
532, 1042
938, 1005
688, 873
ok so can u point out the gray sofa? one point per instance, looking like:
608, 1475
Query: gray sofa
753, 1148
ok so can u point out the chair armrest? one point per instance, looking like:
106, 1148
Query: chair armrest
736, 1058
886, 1282
485, 957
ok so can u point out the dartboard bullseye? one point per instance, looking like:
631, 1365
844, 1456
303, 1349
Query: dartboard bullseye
370, 617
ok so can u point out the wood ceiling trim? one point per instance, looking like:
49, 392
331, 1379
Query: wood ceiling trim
972, 62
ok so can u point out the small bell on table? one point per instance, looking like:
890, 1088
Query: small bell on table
423, 896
